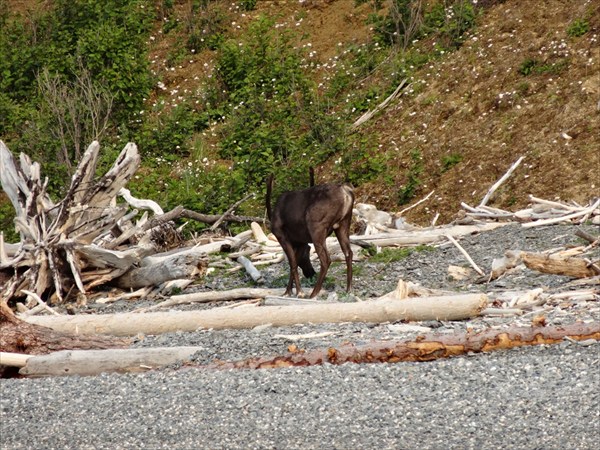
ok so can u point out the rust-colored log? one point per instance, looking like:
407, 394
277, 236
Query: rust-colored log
423, 348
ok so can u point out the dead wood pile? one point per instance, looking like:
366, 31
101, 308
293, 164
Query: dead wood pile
89, 239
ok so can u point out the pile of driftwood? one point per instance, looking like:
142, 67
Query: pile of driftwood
89, 239
541, 212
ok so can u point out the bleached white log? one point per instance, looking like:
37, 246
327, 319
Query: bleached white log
250, 269
465, 254
425, 236
417, 203
39, 301
142, 292
273, 300
457, 307
94, 362
529, 298
3, 254
260, 236
558, 205
366, 116
502, 312
216, 296
102, 257
197, 251
401, 292
500, 266
13, 359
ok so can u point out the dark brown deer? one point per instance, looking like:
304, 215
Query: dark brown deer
309, 216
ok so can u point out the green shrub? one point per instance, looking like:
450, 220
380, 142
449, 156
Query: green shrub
206, 24
274, 120
362, 162
7, 225
168, 132
409, 189
531, 66
578, 28
451, 160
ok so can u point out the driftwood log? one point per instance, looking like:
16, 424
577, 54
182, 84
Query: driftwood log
455, 307
93, 362
424, 348
17, 336
559, 265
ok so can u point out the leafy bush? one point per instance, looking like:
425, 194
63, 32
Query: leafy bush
531, 66
63, 63
205, 25
167, 133
451, 22
449, 161
407, 20
578, 27
362, 162
274, 119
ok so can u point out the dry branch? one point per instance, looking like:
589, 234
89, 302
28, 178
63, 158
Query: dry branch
366, 116
465, 254
500, 181
215, 296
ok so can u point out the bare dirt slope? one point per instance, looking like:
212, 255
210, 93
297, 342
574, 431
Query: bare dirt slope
476, 104
519, 86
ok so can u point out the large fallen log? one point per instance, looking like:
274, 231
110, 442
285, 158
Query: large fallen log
457, 307
18, 336
424, 348
175, 267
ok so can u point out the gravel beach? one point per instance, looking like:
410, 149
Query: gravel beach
543, 397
